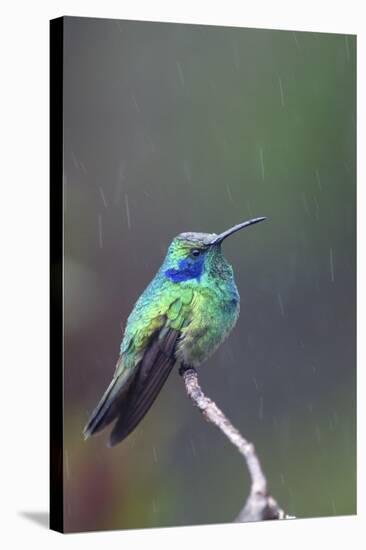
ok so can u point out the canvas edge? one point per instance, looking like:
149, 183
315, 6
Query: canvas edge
56, 495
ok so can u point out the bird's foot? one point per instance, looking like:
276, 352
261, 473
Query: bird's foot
183, 368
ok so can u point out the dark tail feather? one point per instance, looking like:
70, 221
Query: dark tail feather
131, 393
108, 407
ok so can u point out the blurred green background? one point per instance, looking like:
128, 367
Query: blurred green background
172, 128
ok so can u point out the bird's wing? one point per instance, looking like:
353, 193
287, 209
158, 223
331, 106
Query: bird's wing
152, 372
134, 387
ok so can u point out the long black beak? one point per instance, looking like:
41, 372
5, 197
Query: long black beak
219, 238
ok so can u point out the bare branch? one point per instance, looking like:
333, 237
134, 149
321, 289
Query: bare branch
259, 505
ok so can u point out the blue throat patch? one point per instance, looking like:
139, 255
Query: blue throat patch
187, 269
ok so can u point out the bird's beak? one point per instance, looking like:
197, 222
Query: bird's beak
219, 238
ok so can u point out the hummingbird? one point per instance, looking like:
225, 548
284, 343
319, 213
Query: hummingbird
182, 317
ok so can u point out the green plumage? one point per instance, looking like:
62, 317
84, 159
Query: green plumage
182, 317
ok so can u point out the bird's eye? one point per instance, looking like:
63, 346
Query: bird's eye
195, 252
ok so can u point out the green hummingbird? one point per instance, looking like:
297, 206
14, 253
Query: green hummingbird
181, 318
